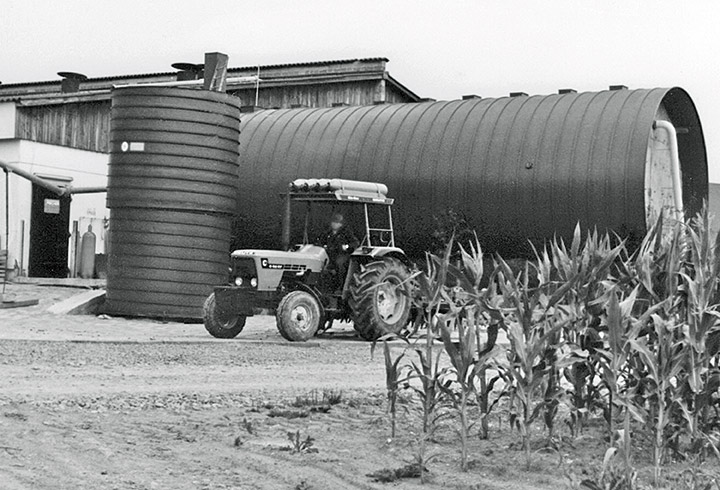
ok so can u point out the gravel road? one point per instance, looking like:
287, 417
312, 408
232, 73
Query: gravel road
92, 402
97, 402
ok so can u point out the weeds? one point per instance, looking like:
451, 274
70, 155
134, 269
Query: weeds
288, 414
387, 475
328, 398
248, 426
300, 445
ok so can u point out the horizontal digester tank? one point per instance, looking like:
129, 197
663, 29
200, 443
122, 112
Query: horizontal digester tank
516, 168
172, 193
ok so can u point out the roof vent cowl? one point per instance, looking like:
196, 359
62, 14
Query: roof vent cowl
71, 81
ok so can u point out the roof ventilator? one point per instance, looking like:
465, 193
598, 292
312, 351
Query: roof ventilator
71, 81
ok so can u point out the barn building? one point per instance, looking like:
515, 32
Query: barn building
59, 130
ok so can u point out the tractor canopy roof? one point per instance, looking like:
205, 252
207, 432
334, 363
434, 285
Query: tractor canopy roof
339, 190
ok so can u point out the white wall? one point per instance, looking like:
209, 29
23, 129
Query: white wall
87, 169
7, 120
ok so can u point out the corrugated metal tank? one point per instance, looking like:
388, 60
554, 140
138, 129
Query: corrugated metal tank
517, 168
172, 191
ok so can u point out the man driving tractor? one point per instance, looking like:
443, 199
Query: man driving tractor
339, 242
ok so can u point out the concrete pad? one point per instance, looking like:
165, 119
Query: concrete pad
68, 282
18, 304
87, 303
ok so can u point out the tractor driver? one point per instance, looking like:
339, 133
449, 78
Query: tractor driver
339, 243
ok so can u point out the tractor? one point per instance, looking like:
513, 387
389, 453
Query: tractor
300, 284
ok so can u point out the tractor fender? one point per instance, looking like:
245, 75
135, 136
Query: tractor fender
300, 286
367, 254
364, 255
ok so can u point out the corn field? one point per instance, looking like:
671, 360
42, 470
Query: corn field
594, 332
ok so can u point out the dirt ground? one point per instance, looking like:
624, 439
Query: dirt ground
111, 403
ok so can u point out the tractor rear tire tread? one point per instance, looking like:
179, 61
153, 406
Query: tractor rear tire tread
363, 301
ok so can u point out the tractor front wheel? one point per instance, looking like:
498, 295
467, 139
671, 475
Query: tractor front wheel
221, 324
380, 299
298, 316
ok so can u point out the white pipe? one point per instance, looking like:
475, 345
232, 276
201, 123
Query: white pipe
187, 83
674, 166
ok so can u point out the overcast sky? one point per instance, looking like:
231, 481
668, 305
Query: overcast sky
438, 49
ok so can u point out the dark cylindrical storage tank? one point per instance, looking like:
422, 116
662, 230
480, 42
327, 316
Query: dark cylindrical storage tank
172, 192
516, 168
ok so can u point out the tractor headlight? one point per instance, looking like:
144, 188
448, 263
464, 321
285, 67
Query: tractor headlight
238, 281
253, 282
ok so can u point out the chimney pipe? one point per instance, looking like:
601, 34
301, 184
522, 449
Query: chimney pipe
216, 65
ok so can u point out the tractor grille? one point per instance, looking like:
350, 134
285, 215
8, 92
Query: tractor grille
244, 267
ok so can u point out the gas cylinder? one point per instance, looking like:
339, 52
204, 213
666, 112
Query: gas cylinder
87, 254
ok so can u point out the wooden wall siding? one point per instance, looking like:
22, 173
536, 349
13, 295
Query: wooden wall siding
85, 126
393, 96
320, 95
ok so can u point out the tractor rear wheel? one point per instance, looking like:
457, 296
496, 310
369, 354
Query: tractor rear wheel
298, 316
380, 298
221, 324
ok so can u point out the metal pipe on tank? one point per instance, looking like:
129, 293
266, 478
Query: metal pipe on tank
9, 167
86, 190
675, 166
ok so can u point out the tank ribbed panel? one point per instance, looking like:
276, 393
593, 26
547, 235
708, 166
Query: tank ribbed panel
172, 192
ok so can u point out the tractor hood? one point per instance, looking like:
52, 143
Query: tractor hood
311, 257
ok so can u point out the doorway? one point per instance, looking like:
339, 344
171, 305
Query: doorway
49, 233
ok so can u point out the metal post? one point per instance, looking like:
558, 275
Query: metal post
7, 227
392, 228
257, 87
306, 237
367, 225
22, 247
286, 223
74, 249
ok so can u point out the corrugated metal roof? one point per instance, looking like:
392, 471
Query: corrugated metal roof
111, 78
36, 93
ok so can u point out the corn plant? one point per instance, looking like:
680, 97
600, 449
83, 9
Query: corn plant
663, 359
464, 371
700, 285
615, 358
426, 369
478, 305
586, 268
533, 324
392, 383
461, 357
453, 299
